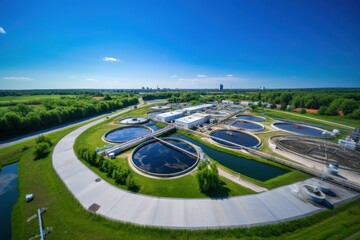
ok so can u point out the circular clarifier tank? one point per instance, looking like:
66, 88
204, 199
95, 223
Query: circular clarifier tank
160, 108
246, 125
168, 157
302, 129
250, 118
227, 137
127, 133
134, 120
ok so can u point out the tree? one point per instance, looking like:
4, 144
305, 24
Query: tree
207, 177
322, 110
44, 139
107, 97
42, 149
355, 114
331, 110
348, 106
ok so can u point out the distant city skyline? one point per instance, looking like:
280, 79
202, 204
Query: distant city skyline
179, 44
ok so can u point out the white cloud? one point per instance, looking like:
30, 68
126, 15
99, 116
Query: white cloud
2, 30
174, 76
92, 80
17, 78
110, 59
200, 76
230, 75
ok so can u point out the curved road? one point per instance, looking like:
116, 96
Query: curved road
109, 201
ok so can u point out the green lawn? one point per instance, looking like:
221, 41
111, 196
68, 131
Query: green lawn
24, 98
315, 118
71, 221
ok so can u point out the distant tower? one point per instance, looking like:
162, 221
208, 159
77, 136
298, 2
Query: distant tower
221, 87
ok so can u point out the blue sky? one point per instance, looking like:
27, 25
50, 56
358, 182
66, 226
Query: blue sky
179, 44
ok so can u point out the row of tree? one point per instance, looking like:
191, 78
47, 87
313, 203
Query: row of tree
121, 175
22, 119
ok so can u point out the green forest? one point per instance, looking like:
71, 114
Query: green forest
25, 118
38, 112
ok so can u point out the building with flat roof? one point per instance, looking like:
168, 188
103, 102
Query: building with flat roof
169, 116
198, 108
192, 120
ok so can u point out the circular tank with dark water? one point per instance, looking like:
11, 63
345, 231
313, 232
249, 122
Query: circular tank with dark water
250, 118
246, 125
161, 159
227, 137
302, 129
123, 134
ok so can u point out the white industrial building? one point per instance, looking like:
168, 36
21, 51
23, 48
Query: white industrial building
245, 103
169, 116
198, 108
227, 102
192, 120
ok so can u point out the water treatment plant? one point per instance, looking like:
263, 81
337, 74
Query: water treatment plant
164, 147
147, 171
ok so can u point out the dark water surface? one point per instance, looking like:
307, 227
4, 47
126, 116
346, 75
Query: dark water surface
250, 118
126, 134
251, 168
240, 138
9, 194
299, 129
158, 158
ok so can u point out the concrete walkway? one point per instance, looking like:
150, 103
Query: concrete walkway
109, 201
241, 181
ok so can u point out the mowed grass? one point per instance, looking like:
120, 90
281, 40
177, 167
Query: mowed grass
315, 118
27, 98
70, 221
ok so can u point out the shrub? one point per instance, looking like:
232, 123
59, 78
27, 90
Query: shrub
42, 149
44, 139
303, 111
130, 182
121, 175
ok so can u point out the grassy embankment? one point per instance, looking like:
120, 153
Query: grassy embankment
71, 221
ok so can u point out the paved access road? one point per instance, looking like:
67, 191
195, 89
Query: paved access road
267, 207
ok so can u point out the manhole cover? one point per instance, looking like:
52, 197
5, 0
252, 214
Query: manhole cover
98, 180
94, 207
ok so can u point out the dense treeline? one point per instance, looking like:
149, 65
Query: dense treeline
22, 119
328, 102
91, 92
